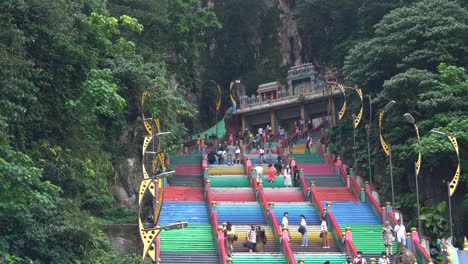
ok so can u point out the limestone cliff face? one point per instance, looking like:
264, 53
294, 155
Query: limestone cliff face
289, 40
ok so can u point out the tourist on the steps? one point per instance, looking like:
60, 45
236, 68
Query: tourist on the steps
261, 239
270, 153
231, 234
248, 165
238, 155
285, 238
260, 131
259, 170
383, 259
309, 139
296, 176
261, 154
251, 239
211, 158
292, 163
287, 177
348, 260
221, 154
230, 154
324, 233
278, 166
387, 236
230, 139
303, 227
271, 173
285, 222
400, 231
281, 133
359, 259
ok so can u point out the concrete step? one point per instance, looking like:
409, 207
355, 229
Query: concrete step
325, 180
186, 180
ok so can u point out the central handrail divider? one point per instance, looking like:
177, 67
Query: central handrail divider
335, 229
214, 223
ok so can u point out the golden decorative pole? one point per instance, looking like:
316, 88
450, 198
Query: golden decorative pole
386, 147
452, 186
417, 165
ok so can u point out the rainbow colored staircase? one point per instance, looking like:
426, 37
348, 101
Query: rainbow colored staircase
194, 244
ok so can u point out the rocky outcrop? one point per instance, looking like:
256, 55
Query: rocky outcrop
289, 40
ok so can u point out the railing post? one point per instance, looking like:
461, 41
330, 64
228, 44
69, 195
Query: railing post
348, 182
368, 187
312, 185
213, 206
363, 195
205, 173
349, 238
329, 204
384, 214
409, 242
389, 207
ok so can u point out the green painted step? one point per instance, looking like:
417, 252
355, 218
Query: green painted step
306, 158
194, 238
185, 159
255, 258
229, 181
320, 259
366, 238
278, 183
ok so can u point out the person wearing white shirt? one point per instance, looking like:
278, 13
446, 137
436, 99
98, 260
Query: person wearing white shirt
259, 170
285, 221
401, 233
252, 238
324, 233
304, 235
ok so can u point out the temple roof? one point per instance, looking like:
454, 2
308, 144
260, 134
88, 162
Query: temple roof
266, 87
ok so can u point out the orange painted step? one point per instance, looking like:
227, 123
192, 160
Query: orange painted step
336, 194
183, 194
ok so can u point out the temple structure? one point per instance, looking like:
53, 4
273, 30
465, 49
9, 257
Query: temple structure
305, 95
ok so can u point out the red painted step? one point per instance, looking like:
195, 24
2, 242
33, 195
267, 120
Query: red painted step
336, 194
183, 194
186, 169
315, 169
233, 194
283, 195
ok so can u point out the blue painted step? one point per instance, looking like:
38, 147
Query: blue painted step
294, 211
355, 213
192, 212
240, 213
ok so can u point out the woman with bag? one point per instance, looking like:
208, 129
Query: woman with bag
387, 236
324, 233
303, 231
231, 237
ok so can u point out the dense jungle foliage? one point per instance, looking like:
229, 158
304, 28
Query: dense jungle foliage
72, 71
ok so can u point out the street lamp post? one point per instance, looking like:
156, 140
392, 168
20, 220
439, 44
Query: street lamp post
387, 148
453, 184
354, 146
235, 105
368, 128
417, 165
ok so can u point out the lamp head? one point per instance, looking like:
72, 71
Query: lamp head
409, 118
237, 81
389, 105
435, 132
